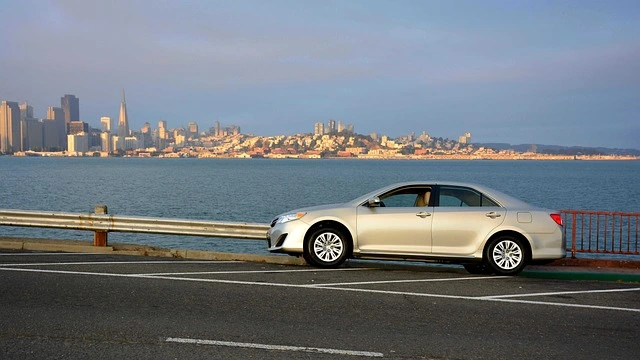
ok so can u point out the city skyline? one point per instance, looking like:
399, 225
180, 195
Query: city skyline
546, 72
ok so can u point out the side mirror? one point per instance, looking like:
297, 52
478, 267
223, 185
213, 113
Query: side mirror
374, 202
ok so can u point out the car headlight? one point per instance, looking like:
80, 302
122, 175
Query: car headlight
290, 217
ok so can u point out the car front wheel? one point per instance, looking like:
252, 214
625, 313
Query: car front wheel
326, 247
506, 255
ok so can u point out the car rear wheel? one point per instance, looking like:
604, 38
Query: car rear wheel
506, 255
326, 247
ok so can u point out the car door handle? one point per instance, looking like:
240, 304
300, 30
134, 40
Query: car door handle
423, 214
492, 215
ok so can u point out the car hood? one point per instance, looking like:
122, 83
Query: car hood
314, 208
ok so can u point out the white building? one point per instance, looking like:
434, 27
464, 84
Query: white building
105, 141
78, 143
465, 139
105, 121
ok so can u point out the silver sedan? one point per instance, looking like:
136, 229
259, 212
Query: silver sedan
483, 229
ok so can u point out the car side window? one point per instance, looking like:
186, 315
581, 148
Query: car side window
451, 196
407, 197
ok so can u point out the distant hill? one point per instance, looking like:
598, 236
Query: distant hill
557, 149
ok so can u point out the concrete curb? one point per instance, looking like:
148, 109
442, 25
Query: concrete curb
141, 250
564, 269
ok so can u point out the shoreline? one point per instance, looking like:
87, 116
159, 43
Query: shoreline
518, 157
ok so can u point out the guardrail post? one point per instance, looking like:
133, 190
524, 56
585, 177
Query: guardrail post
573, 234
100, 237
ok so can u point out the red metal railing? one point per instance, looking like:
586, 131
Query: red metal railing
601, 232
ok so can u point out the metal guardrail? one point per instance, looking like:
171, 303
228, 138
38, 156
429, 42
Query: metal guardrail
589, 231
602, 232
102, 223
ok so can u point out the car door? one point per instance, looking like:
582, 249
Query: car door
462, 220
400, 225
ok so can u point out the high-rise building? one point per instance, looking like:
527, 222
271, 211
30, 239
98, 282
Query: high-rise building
340, 126
331, 124
465, 139
50, 139
105, 143
163, 135
70, 107
146, 139
105, 123
9, 127
123, 119
216, 128
76, 127
59, 140
318, 128
192, 130
26, 111
31, 134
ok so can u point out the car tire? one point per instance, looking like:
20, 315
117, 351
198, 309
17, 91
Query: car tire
478, 268
506, 255
326, 247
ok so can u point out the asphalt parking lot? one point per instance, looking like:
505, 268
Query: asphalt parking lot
55, 305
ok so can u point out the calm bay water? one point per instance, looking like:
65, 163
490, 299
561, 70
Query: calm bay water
256, 190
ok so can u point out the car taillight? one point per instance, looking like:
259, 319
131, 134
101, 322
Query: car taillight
558, 219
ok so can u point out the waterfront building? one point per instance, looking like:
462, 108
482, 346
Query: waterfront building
9, 127
105, 142
125, 143
318, 128
50, 136
105, 123
131, 143
78, 143
58, 140
70, 107
356, 150
31, 134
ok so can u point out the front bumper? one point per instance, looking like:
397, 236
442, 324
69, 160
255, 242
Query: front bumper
287, 237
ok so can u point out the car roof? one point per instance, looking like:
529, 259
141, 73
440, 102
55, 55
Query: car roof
502, 198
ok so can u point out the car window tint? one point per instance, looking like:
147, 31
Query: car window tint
462, 197
488, 202
408, 197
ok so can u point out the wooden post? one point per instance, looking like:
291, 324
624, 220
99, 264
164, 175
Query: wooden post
100, 237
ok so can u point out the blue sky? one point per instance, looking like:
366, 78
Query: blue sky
548, 72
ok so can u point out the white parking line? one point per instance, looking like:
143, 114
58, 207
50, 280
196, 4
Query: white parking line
275, 347
123, 263
559, 293
250, 272
412, 281
403, 293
